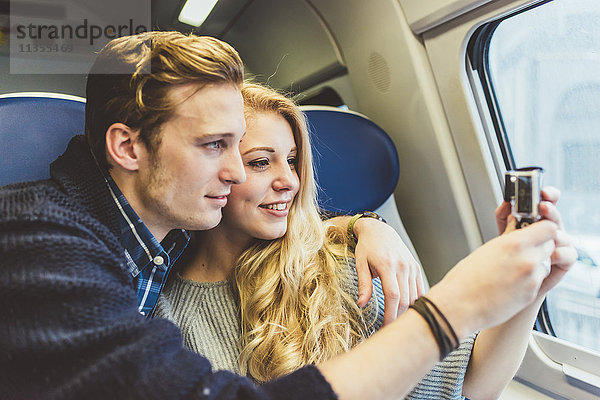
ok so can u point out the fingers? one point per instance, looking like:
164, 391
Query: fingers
565, 253
412, 296
549, 211
391, 294
410, 285
365, 283
407, 289
564, 257
547, 249
413, 286
563, 239
551, 194
536, 234
420, 282
542, 258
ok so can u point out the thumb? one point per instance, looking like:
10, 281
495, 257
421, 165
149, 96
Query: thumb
502, 213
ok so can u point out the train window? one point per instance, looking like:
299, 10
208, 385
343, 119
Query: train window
543, 73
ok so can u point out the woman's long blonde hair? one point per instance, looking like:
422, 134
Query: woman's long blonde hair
293, 309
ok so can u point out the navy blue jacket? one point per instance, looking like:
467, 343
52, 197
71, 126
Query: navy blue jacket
69, 325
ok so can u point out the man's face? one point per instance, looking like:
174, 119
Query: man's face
186, 183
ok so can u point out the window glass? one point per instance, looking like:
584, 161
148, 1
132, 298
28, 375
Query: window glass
544, 67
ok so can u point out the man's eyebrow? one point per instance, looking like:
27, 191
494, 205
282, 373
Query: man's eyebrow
212, 136
269, 149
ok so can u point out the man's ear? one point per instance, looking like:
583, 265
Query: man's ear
122, 146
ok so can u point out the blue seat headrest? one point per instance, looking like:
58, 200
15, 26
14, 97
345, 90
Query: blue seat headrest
34, 131
356, 162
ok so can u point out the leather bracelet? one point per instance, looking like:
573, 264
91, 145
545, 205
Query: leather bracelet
443, 317
445, 343
350, 230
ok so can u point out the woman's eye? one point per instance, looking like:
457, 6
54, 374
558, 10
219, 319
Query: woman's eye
261, 163
292, 161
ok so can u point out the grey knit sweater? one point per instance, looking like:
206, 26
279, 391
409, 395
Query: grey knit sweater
208, 316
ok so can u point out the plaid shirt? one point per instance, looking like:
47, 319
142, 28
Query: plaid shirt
149, 261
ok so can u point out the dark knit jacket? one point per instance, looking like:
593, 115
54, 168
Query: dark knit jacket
69, 325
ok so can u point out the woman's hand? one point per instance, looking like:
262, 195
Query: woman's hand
380, 252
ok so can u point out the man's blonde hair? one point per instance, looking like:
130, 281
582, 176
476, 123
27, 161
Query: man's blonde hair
132, 75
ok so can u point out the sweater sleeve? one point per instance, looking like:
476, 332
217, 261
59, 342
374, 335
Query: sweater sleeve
70, 329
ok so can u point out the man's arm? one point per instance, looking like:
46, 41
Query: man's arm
380, 252
69, 327
498, 351
508, 271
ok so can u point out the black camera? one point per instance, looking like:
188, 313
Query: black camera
522, 189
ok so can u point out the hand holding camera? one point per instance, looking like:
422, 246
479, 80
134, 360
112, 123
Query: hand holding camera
522, 189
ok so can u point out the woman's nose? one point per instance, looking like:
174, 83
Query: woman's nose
287, 179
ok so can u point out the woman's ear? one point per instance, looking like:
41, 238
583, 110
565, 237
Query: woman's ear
121, 146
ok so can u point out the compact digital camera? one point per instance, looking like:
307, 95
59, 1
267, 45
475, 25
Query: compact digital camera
522, 189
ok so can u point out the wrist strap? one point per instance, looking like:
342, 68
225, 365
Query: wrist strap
428, 311
350, 230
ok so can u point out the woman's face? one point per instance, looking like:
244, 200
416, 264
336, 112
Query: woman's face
258, 208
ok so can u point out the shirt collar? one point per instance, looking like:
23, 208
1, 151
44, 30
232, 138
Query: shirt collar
141, 247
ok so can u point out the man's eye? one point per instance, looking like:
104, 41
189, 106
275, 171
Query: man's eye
261, 163
216, 145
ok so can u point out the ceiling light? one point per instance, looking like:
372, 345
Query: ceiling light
194, 12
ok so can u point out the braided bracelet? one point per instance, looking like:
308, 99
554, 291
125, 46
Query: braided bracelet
445, 343
446, 322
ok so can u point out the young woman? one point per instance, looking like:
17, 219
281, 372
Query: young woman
272, 287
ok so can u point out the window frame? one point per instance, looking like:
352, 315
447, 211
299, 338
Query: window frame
551, 366
478, 62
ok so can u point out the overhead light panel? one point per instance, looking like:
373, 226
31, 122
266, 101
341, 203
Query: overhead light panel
194, 12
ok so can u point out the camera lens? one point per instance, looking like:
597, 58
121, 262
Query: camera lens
524, 190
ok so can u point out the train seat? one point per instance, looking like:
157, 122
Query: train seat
35, 129
356, 165
356, 162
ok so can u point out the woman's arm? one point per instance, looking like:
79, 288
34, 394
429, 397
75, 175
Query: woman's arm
497, 354
498, 351
380, 252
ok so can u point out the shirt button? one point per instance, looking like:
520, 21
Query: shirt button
158, 260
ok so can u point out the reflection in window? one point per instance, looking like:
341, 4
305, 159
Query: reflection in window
545, 71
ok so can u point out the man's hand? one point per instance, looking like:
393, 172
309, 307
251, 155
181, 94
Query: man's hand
497, 280
380, 252
564, 255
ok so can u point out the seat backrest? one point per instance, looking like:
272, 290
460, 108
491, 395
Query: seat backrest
356, 165
35, 129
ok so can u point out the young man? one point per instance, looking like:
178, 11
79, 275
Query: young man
84, 254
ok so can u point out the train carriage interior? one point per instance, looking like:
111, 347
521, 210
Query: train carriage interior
464, 89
